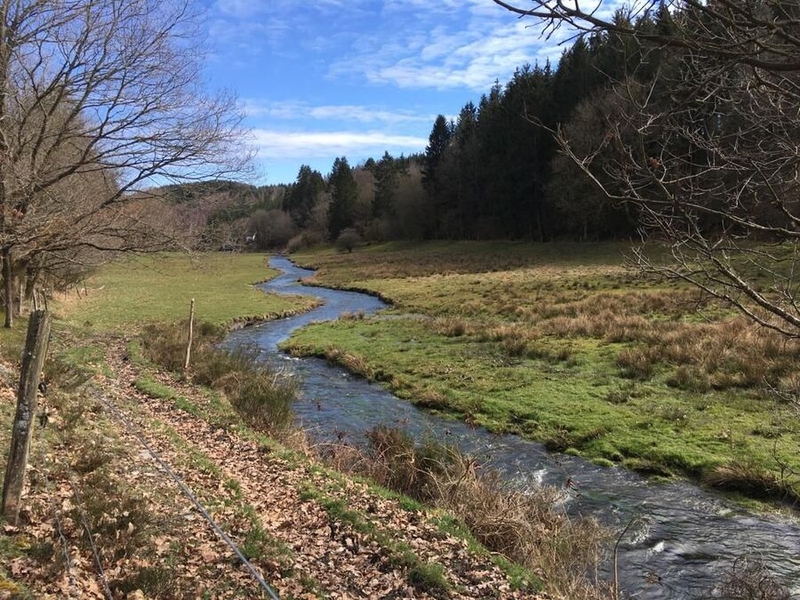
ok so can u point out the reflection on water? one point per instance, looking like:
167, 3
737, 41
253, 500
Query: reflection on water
682, 537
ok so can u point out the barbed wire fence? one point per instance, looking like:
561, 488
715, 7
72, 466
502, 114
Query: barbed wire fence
119, 416
56, 512
46, 465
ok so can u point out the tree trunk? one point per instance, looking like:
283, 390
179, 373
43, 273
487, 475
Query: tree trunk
32, 362
32, 277
9, 287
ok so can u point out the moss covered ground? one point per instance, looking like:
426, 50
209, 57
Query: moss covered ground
566, 344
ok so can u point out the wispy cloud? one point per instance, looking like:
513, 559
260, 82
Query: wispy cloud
473, 56
359, 77
305, 145
296, 110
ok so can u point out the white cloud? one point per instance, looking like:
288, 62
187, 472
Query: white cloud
304, 145
241, 9
412, 44
471, 49
296, 110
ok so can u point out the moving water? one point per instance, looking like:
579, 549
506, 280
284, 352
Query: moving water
682, 538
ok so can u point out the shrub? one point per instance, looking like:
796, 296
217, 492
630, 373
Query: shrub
636, 363
273, 228
348, 240
755, 481
451, 326
749, 579
165, 345
261, 395
302, 241
523, 525
264, 399
689, 378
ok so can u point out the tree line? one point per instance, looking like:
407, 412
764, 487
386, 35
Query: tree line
673, 122
495, 171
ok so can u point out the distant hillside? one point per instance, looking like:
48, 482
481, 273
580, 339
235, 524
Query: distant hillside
217, 213
189, 192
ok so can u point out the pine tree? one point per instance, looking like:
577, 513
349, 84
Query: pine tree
300, 200
438, 141
386, 172
344, 194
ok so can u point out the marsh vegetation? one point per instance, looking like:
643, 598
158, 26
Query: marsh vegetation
562, 343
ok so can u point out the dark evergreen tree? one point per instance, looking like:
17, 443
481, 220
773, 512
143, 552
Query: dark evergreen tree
299, 201
438, 142
344, 195
527, 108
577, 77
465, 150
386, 172
491, 148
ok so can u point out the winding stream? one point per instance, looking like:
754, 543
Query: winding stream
683, 537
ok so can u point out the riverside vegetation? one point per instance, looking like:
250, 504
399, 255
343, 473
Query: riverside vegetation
562, 343
224, 426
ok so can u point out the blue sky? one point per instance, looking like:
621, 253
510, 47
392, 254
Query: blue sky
326, 78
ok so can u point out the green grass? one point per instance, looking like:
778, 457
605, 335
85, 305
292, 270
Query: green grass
125, 294
563, 344
151, 387
12, 340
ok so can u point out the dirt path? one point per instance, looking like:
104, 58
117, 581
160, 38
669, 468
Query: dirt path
333, 538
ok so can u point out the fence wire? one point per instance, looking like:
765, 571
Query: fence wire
131, 428
97, 560
73, 587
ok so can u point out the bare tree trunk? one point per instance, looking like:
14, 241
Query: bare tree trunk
9, 287
32, 362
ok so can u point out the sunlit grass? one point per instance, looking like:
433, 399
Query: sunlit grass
566, 345
130, 292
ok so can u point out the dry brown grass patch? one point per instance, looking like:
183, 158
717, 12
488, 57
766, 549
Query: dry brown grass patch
755, 481
524, 525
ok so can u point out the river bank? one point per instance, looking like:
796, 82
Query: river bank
564, 345
674, 544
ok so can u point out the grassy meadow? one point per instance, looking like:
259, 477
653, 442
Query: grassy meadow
128, 293
564, 344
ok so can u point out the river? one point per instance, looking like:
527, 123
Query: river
683, 537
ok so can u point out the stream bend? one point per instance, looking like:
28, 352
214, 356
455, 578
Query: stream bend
683, 539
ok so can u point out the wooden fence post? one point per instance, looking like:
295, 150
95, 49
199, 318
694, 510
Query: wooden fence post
191, 335
32, 362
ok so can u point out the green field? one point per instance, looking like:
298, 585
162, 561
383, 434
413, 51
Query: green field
128, 293
564, 344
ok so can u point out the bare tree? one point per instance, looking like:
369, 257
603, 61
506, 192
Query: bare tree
713, 167
100, 99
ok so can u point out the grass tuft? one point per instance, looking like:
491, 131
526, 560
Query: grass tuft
523, 526
754, 481
262, 396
